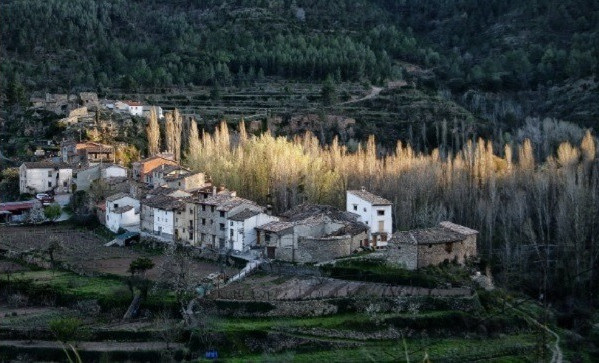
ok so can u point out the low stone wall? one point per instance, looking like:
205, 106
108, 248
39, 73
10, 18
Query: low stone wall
312, 308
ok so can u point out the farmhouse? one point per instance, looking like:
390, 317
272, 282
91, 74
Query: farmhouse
373, 211
312, 233
122, 211
44, 176
134, 108
432, 246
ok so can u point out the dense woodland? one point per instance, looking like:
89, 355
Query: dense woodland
492, 45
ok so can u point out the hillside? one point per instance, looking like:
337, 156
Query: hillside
518, 53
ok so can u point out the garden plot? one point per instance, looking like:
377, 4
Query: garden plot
84, 252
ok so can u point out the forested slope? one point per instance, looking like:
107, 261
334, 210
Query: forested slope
525, 51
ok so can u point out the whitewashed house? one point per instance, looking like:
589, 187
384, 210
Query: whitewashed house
375, 212
134, 108
44, 176
113, 171
122, 211
241, 228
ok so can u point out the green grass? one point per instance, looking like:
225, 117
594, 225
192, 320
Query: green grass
515, 348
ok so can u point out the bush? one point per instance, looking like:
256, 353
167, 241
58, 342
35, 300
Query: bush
68, 329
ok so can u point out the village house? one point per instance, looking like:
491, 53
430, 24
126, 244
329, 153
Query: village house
142, 170
122, 211
145, 112
418, 248
161, 172
312, 233
187, 219
373, 211
84, 177
189, 181
212, 216
44, 176
242, 234
86, 152
158, 217
134, 108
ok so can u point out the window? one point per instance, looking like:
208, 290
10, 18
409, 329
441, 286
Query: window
212, 209
231, 233
190, 211
222, 214
267, 237
202, 237
364, 209
231, 223
355, 207
211, 222
64, 183
116, 205
203, 208
49, 184
380, 212
190, 235
203, 221
49, 173
222, 226
448, 247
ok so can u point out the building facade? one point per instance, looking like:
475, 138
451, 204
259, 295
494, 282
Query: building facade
122, 211
41, 177
375, 212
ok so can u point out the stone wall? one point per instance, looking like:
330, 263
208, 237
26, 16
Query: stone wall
434, 254
403, 254
311, 249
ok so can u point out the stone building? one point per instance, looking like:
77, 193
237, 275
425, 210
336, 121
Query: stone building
431, 246
312, 233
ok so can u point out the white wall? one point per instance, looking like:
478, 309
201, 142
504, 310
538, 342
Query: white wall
39, 181
164, 222
136, 110
114, 171
116, 220
369, 214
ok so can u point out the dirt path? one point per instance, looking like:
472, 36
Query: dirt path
558, 356
374, 91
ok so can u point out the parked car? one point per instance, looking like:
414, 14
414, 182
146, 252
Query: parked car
45, 198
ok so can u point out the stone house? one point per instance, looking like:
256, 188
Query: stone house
187, 219
89, 99
142, 170
84, 177
188, 181
375, 212
312, 233
44, 176
431, 246
165, 170
122, 211
86, 152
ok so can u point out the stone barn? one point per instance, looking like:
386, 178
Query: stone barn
431, 246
